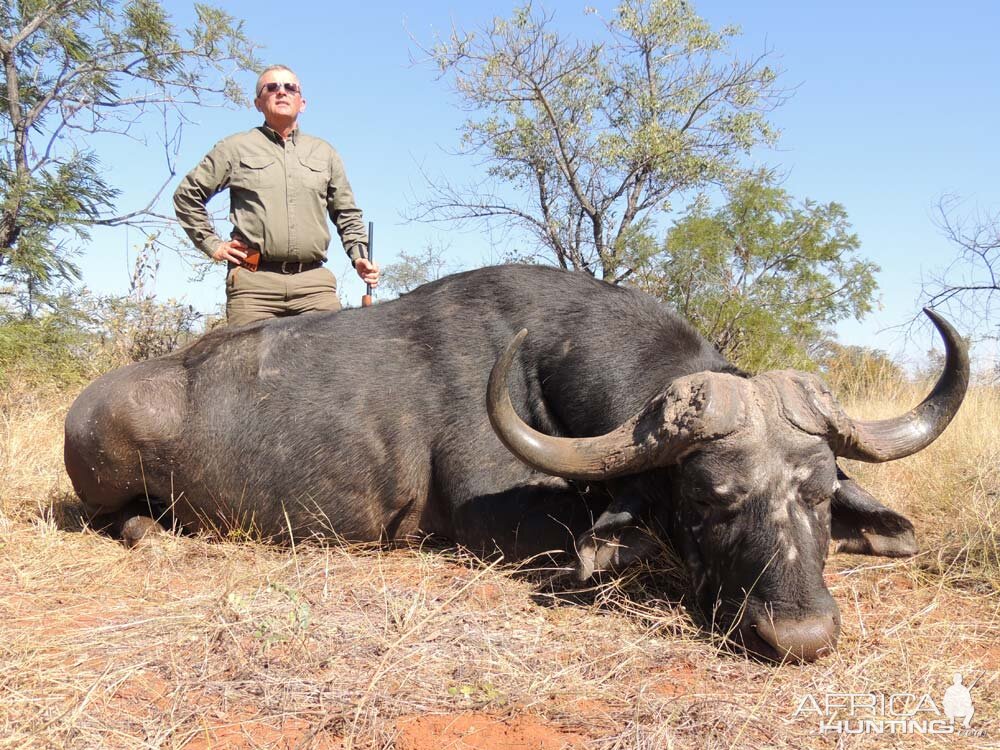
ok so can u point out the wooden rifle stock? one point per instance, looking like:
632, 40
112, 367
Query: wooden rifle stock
366, 300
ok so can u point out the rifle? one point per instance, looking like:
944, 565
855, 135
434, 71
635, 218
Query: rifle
366, 300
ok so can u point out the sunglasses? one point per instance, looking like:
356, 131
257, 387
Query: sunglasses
290, 88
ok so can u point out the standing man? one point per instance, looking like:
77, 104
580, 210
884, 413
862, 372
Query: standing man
282, 185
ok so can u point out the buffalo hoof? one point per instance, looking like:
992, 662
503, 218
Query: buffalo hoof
139, 528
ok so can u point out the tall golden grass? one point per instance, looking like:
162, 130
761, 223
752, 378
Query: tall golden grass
195, 643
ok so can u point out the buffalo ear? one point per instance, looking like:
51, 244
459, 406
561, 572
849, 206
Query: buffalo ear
612, 544
860, 524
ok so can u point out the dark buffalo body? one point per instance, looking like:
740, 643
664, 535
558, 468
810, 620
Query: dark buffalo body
372, 424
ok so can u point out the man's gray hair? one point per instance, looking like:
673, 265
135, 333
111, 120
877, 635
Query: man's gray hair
269, 69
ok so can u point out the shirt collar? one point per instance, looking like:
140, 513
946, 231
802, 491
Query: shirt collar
272, 134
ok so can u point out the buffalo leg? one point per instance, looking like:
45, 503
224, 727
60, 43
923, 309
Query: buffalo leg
526, 521
131, 523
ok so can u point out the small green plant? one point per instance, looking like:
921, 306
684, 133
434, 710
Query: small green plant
485, 692
290, 623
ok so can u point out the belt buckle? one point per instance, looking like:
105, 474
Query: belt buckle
285, 269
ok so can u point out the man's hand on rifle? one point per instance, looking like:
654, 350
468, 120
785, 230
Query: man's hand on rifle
367, 270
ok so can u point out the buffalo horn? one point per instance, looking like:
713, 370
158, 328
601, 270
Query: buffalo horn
663, 430
889, 439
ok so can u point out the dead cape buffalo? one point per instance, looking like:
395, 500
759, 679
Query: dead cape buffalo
376, 424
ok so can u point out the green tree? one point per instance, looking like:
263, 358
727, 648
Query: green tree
78, 71
587, 142
414, 269
762, 277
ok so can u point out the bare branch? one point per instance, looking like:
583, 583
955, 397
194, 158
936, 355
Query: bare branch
969, 285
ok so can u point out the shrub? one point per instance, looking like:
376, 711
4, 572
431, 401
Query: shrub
857, 372
79, 340
49, 349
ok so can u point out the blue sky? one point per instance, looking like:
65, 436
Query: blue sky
895, 104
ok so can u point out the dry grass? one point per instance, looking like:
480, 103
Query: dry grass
188, 643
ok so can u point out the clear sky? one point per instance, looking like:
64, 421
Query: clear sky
895, 104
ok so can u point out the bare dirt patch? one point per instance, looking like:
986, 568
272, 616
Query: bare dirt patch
477, 731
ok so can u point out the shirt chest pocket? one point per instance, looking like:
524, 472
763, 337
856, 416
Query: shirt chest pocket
314, 174
256, 170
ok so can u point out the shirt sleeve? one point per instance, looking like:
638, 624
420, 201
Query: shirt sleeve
211, 176
344, 214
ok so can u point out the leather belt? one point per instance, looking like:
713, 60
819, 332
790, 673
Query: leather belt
287, 266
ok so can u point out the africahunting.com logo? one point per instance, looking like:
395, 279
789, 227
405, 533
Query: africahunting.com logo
892, 713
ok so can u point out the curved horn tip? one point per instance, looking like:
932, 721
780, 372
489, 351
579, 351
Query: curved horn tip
890, 439
956, 348
507, 357
939, 320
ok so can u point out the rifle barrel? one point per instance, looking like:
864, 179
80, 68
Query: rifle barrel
366, 301
371, 249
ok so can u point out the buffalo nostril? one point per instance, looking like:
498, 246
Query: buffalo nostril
799, 640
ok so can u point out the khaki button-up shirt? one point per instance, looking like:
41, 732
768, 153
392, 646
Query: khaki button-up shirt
280, 193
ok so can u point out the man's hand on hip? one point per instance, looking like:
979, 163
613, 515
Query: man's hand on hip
367, 270
233, 251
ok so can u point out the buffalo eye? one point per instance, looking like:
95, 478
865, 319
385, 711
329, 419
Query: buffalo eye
815, 493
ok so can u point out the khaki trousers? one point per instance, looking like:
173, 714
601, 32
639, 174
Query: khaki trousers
255, 295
